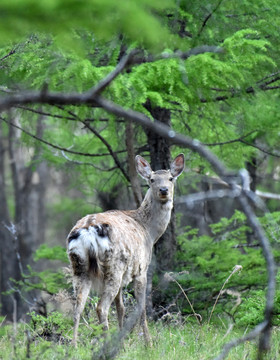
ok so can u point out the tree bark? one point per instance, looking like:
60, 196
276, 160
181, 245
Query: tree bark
132, 173
27, 226
9, 267
165, 248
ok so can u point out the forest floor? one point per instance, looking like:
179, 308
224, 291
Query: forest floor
182, 341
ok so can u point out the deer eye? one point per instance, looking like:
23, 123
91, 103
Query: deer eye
171, 179
152, 180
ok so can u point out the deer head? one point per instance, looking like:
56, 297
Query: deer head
161, 182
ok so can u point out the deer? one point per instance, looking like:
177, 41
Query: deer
109, 250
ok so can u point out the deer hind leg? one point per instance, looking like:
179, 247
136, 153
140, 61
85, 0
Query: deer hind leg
110, 291
120, 308
140, 295
81, 288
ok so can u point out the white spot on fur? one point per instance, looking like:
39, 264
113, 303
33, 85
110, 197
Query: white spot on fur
89, 240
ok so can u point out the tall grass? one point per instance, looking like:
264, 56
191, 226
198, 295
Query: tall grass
188, 341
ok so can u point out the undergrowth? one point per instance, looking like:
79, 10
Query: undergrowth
185, 341
217, 293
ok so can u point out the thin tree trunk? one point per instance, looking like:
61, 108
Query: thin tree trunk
132, 173
9, 267
165, 248
29, 196
27, 228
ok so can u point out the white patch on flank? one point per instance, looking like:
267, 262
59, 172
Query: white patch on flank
89, 240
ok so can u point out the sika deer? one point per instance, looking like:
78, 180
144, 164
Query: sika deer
109, 250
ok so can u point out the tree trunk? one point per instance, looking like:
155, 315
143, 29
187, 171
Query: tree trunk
252, 166
29, 196
133, 176
20, 235
9, 267
165, 248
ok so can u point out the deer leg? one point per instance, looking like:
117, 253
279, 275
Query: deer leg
82, 289
140, 295
120, 308
110, 292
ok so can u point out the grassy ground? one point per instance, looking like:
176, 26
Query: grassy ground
186, 342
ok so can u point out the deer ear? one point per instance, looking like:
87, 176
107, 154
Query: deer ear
177, 165
143, 167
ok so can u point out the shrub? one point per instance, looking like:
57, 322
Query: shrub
205, 262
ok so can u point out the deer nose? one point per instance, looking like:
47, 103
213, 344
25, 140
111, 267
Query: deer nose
163, 191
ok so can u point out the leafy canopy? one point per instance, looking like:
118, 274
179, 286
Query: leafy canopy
219, 98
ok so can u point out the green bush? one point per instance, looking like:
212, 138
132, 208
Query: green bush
205, 262
51, 280
55, 326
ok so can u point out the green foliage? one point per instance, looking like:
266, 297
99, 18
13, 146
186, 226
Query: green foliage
50, 280
188, 88
54, 326
210, 260
136, 20
251, 309
51, 253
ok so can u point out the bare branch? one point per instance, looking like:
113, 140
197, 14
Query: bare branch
192, 52
140, 58
85, 163
112, 346
268, 76
260, 148
258, 230
252, 335
40, 112
111, 151
267, 195
189, 200
264, 85
8, 55
6, 90
239, 139
208, 17
271, 87
44, 97
50, 144
124, 62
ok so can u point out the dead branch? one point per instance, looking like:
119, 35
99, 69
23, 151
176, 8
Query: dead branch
50, 144
109, 148
8, 55
251, 336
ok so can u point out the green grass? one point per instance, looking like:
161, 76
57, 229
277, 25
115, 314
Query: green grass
193, 342
186, 342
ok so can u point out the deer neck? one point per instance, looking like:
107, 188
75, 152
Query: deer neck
154, 216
